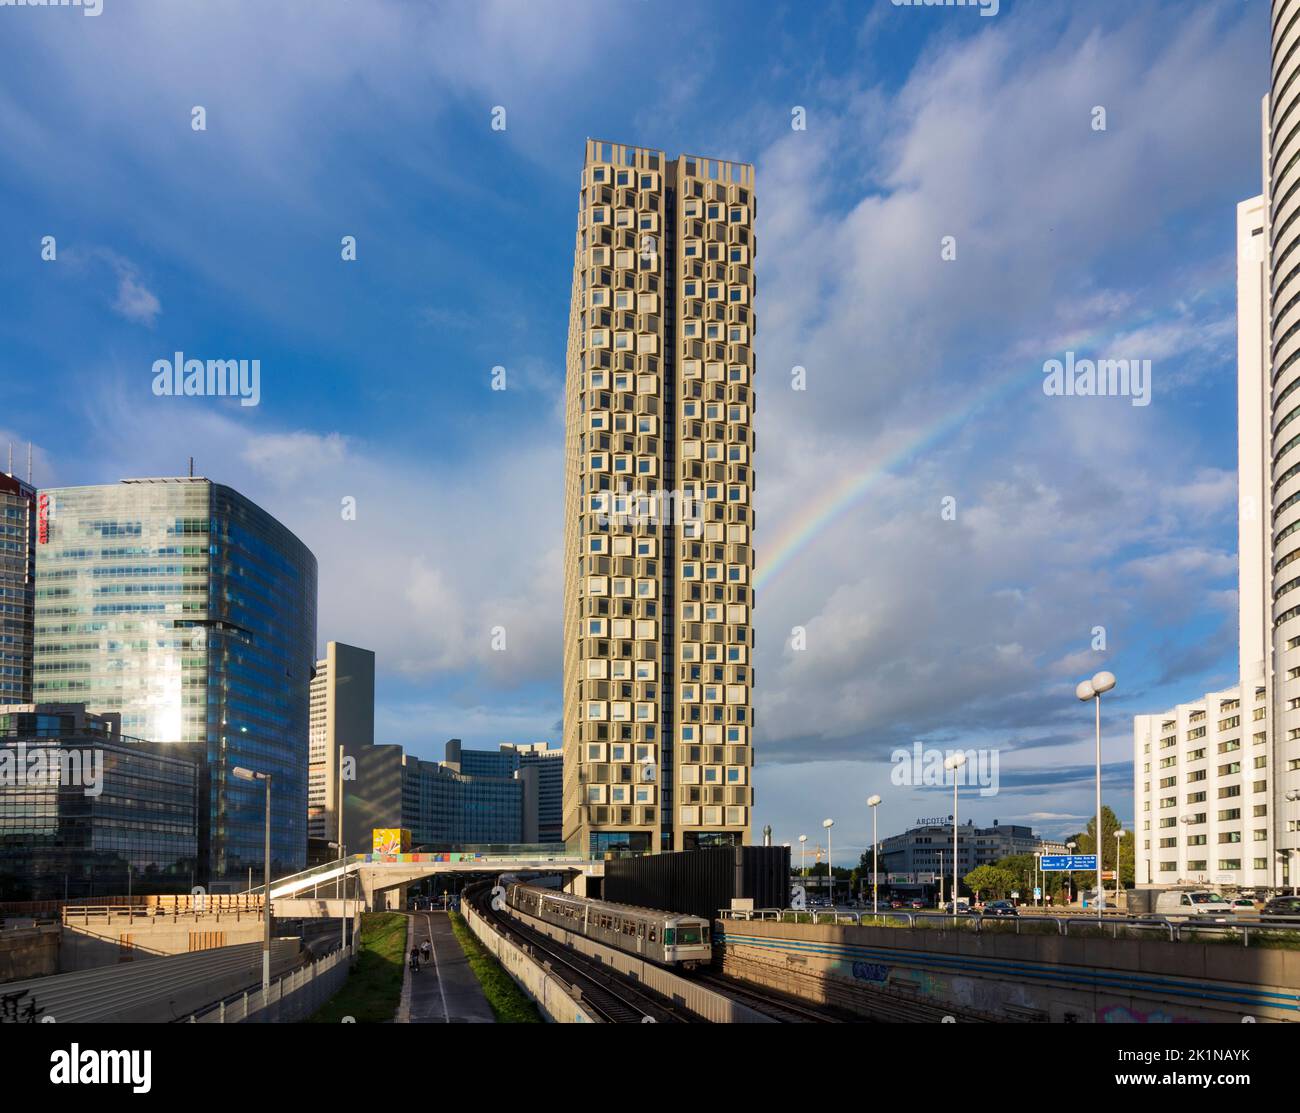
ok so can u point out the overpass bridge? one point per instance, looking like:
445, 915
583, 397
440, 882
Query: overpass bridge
372, 878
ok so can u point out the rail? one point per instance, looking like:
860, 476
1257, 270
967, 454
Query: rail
1187, 929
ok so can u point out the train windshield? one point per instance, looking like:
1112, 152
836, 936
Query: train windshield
688, 935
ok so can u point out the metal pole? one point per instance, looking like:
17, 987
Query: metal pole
1101, 887
1118, 839
954, 842
266, 898
830, 874
875, 868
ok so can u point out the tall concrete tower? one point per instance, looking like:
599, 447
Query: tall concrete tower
659, 483
1282, 201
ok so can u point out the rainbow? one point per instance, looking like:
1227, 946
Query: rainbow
836, 501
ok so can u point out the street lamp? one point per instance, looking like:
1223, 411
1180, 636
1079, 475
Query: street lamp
803, 839
873, 802
250, 775
1071, 847
1118, 836
1091, 690
954, 762
1294, 795
830, 869
1038, 865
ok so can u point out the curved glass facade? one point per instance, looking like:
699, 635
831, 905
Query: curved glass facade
189, 610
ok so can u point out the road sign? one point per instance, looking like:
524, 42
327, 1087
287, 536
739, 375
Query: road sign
1056, 863
1038, 892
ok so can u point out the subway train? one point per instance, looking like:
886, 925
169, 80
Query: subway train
668, 938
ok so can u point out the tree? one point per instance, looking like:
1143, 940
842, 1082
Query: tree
993, 880
1087, 841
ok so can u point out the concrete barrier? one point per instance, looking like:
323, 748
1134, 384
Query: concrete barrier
551, 995
29, 952
1004, 976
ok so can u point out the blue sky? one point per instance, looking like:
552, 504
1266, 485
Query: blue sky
373, 120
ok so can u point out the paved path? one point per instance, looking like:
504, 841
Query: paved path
445, 991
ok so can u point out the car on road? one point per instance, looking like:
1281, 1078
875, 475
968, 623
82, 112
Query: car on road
916, 903
895, 903
1243, 904
963, 906
1284, 910
1191, 902
1000, 908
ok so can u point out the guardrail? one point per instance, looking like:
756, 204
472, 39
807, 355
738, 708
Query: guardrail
1176, 930
291, 997
84, 914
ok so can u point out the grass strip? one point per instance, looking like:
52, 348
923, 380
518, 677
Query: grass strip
510, 1004
374, 985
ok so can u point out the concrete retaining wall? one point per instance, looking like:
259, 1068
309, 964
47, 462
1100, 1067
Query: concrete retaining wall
551, 995
108, 940
999, 975
29, 952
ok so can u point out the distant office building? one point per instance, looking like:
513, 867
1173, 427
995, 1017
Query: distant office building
190, 612
18, 529
441, 806
659, 482
539, 767
81, 805
342, 714
915, 858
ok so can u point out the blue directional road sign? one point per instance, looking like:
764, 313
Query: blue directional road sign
1060, 862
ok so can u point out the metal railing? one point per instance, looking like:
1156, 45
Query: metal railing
293, 996
1186, 929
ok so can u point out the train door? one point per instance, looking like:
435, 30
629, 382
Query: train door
640, 937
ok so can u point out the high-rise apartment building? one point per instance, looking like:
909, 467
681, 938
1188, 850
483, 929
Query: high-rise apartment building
190, 612
659, 482
1217, 781
1282, 340
342, 713
18, 527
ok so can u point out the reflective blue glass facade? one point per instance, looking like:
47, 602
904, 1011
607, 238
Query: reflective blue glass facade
189, 610
64, 835
17, 585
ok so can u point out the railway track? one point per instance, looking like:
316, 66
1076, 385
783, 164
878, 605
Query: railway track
612, 997
777, 1006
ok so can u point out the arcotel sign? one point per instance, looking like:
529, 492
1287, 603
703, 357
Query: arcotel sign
43, 519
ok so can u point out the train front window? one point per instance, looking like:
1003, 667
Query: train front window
688, 936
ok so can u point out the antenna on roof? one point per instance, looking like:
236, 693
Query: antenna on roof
11, 458
29, 463
191, 467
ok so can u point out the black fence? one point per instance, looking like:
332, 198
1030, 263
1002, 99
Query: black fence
702, 882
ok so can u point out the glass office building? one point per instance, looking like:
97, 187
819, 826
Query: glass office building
539, 767
87, 812
17, 585
189, 611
